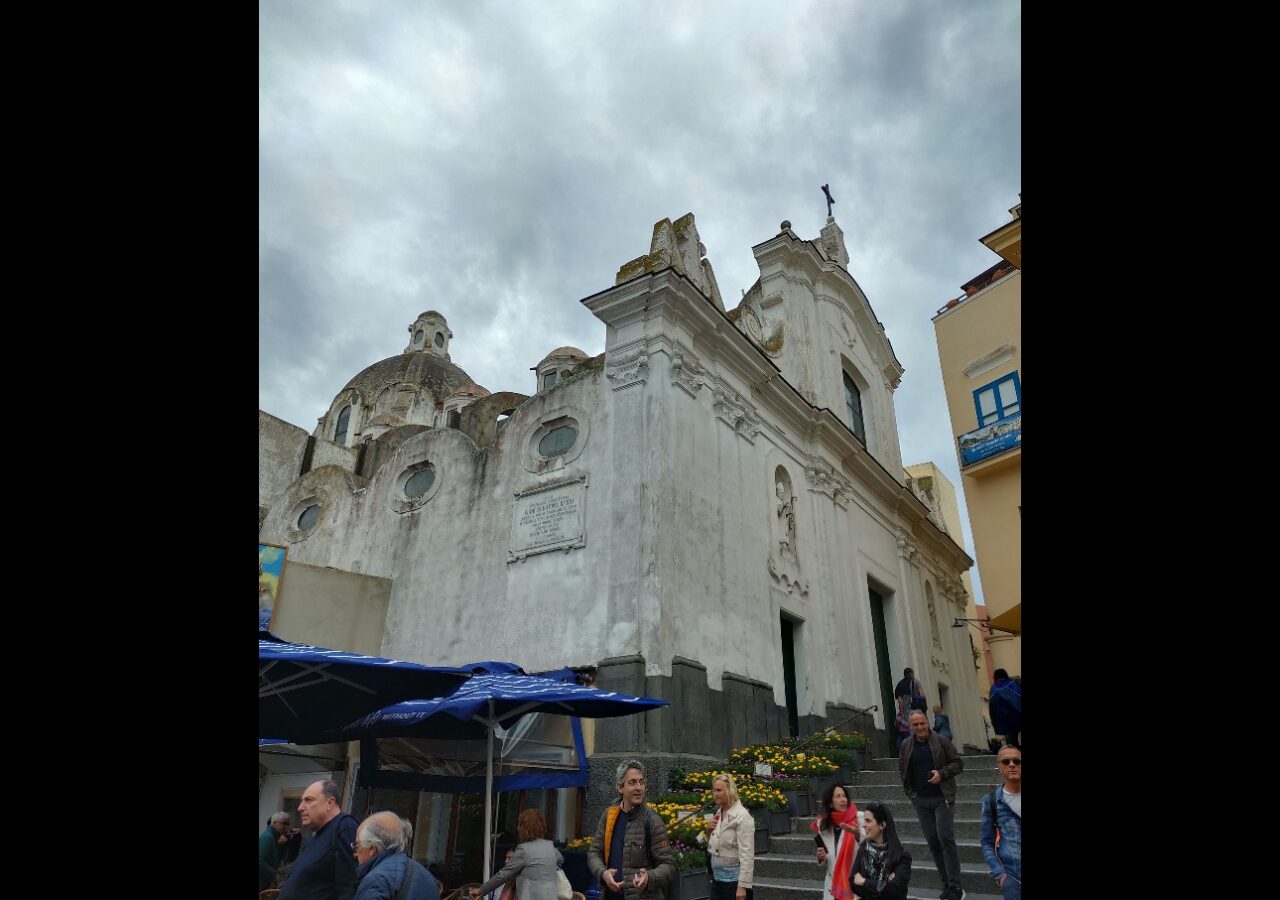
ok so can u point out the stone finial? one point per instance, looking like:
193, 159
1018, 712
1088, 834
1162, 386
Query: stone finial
785, 226
832, 242
675, 245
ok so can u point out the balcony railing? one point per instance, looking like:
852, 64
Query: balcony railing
990, 440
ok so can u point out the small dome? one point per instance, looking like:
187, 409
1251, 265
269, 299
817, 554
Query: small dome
564, 353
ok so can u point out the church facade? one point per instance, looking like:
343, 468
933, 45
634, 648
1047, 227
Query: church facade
713, 511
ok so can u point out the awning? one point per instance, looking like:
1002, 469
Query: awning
1010, 620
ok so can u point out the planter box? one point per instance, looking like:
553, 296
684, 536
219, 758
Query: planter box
576, 870
762, 840
690, 884
800, 802
780, 822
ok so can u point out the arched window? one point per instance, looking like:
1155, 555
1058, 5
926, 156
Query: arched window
853, 401
340, 433
439, 339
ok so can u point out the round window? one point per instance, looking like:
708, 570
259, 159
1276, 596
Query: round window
439, 339
307, 520
419, 483
557, 441
417, 338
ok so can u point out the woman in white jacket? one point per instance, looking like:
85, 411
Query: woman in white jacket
731, 847
836, 832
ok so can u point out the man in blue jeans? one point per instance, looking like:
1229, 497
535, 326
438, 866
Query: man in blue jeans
928, 765
1002, 809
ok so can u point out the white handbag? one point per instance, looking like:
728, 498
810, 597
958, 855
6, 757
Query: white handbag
564, 890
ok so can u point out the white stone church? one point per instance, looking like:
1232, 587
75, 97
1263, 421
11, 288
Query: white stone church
713, 511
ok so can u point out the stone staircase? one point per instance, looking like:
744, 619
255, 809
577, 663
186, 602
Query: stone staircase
790, 870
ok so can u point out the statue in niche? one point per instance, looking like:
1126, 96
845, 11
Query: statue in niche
787, 515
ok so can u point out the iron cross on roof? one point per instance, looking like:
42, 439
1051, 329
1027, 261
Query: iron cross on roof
826, 189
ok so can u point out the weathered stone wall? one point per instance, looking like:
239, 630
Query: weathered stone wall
281, 447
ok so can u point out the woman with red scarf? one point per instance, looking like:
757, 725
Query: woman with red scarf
836, 834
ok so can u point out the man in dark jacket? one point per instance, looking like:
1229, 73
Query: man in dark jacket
631, 856
928, 765
385, 866
326, 868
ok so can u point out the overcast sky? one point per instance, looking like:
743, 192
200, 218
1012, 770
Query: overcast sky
499, 161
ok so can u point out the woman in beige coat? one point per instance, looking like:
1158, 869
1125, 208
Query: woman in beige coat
731, 847
536, 860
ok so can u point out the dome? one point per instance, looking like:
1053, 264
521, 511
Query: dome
428, 370
564, 353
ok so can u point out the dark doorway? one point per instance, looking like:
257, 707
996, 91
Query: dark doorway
789, 674
884, 668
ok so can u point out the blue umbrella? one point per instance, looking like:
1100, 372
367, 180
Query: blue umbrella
303, 691
490, 700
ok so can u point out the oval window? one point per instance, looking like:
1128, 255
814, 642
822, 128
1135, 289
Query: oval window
557, 441
307, 520
417, 338
439, 339
419, 483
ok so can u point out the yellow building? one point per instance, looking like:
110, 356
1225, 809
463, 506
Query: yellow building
980, 347
937, 492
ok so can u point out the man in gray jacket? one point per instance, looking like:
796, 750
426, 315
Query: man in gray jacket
631, 856
929, 764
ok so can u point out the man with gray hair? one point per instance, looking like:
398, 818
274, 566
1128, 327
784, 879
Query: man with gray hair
269, 844
631, 856
386, 871
326, 867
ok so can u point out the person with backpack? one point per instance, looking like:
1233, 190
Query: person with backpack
908, 695
1005, 705
631, 856
1002, 826
326, 867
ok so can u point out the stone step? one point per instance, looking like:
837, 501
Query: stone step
902, 810
782, 889
895, 792
972, 774
925, 882
890, 763
805, 864
800, 847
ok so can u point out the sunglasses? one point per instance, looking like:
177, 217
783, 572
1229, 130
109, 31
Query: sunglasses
1011, 761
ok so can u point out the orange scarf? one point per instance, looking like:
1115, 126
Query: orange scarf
840, 887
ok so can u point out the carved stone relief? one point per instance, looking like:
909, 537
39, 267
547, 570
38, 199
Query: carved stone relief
629, 370
736, 412
687, 373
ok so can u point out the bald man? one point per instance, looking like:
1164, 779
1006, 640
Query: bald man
385, 868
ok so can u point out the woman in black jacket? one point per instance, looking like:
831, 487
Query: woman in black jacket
881, 868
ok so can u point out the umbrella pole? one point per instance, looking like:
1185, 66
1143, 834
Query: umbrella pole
488, 798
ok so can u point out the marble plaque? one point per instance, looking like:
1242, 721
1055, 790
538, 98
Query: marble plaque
548, 517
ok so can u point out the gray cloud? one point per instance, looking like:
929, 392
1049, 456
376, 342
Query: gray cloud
499, 161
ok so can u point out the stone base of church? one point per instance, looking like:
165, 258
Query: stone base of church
699, 728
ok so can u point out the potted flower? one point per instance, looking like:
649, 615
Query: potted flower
575, 863
691, 882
